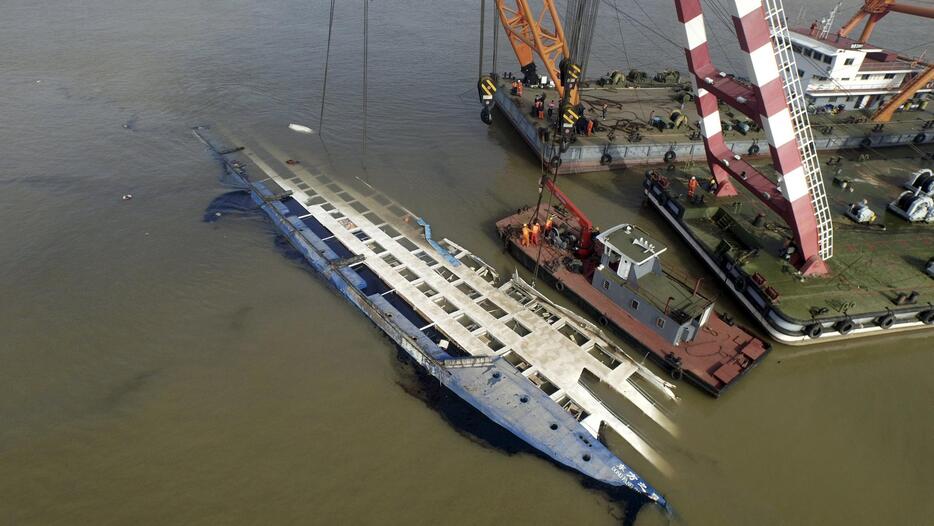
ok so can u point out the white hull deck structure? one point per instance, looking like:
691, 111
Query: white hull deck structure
481, 329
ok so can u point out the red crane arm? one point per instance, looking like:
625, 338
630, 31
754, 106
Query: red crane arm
585, 223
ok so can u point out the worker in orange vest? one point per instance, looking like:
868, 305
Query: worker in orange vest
692, 187
519, 88
589, 127
525, 235
549, 224
536, 229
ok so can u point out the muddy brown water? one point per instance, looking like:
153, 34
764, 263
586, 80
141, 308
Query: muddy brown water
156, 368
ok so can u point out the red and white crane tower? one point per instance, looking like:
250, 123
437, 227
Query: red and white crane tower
773, 99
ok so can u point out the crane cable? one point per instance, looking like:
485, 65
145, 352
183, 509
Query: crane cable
327, 60
366, 41
482, 29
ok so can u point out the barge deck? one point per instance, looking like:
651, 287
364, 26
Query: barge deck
875, 269
718, 356
524, 364
632, 108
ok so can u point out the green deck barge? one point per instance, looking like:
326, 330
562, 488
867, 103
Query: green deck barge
874, 270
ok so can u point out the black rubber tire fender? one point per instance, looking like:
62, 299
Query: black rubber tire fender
559, 285
606, 159
603, 321
865, 143
754, 149
814, 330
670, 156
886, 321
676, 373
920, 138
844, 327
926, 316
739, 283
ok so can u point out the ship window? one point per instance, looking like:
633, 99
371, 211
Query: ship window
864, 77
606, 285
467, 322
376, 247
634, 304
796, 48
468, 291
517, 327
603, 356
845, 79
889, 76
430, 261
492, 308
848, 62
518, 295
828, 59
390, 231
446, 274
573, 335
613, 260
490, 341
426, 289
375, 219
832, 99
807, 52
818, 55
516, 361
407, 244
391, 260
660, 322
446, 305
408, 274
543, 383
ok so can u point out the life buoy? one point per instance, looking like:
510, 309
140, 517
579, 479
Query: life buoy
926, 317
754, 149
814, 330
865, 143
486, 116
606, 159
886, 321
844, 327
739, 283
559, 285
670, 155
603, 321
676, 373
920, 138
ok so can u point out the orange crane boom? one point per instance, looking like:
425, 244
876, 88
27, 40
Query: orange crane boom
875, 10
529, 35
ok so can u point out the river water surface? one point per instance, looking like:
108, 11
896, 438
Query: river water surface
156, 368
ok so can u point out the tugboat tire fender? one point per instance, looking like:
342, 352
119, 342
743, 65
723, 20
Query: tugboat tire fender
844, 327
739, 283
927, 316
606, 159
886, 320
754, 149
670, 155
559, 285
865, 143
603, 321
920, 138
676, 373
814, 330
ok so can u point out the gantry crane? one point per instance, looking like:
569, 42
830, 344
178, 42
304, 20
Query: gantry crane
774, 99
875, 10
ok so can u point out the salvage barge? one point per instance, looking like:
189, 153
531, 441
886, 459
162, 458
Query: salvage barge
619, 279
509, 353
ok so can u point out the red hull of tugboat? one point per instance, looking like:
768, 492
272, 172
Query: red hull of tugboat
715, 359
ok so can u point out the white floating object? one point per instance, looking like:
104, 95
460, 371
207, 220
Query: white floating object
127, 197
300, 129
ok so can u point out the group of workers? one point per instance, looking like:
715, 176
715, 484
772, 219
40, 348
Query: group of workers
530, 235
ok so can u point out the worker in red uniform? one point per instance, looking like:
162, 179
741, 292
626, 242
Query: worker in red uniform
589, 127
692, 187
549, 224
536, 230
519, 88
525, 235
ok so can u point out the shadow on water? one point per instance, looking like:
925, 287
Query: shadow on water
622, 504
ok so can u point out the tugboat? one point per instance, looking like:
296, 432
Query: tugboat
618, 276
